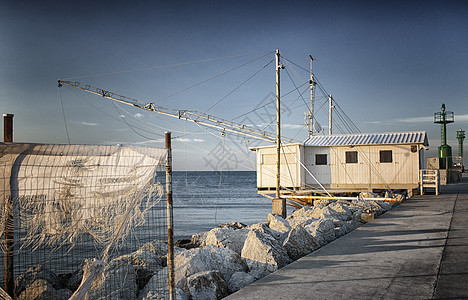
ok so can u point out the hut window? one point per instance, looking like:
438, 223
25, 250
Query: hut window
414, 148
351, 157
386, 156
320, 159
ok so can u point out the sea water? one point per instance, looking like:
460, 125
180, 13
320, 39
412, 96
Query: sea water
204, 200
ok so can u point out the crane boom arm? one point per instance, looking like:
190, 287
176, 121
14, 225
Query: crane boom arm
192, 116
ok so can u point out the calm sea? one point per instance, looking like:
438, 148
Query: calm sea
203, 200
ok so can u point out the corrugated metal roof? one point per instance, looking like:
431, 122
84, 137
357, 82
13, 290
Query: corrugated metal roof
389, 138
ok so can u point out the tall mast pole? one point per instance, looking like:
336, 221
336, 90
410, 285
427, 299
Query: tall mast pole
330, 112
278, 127
311, 112
279, 205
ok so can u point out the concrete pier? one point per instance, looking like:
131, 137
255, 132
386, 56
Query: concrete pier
418, 250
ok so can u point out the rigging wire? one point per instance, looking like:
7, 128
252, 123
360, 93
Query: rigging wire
296, 64
220, 180
238, 86
287, 109
347, 119
142, 122
125, 121
63, 114
84, 99
213, 77
170, 66
266, 104
300, 94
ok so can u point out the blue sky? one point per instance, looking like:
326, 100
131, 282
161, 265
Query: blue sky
389, 66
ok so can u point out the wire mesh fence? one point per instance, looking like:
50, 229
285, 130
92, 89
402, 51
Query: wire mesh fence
83, 221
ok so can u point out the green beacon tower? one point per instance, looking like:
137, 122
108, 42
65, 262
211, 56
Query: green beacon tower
445, 151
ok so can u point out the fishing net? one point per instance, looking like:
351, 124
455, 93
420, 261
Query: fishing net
62, 196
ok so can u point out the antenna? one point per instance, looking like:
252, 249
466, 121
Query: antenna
460, 137
310, 115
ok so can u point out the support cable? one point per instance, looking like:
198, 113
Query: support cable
238, 86
296, 64
63, 114
169, 66
310, 173
125, 121
220, 181
82, 98
300, 94
211, 78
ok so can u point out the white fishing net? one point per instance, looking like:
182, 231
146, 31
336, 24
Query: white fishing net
64, 191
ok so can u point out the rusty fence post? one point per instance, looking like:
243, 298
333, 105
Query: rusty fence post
170, 220
8, 223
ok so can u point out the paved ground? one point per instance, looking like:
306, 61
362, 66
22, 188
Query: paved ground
418, 250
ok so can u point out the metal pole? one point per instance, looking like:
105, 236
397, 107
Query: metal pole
444, 126
170, 219
8, 229
460, 137
330, 118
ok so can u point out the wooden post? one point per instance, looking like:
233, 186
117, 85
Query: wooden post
278, 204
8, 230
170, 220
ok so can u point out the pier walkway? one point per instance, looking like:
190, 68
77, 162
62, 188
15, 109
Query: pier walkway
418, 250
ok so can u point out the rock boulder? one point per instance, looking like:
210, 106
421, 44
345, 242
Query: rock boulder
227, 237
209, 258
41, 289
322, 230
262, 251
299, 243
278, 224
34, 273
118, 282
207, 285
239, 280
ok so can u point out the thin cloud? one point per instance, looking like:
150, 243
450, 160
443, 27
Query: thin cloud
292, 126
462, 118
187, 140
457, 118
147, 142
89, 124
416, 120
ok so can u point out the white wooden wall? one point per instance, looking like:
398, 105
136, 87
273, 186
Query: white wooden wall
290, 168
368, 171
402, 172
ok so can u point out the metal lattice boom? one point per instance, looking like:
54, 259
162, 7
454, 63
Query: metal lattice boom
192, 116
